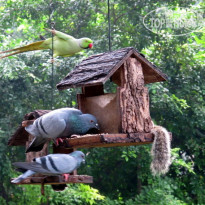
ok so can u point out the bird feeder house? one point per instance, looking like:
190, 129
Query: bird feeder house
123, 116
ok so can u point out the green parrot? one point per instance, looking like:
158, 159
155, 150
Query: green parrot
63, 45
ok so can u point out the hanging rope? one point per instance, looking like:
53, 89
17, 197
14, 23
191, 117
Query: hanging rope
52, 24
109, 28
52, 66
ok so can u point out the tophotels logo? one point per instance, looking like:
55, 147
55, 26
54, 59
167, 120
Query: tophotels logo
174, 21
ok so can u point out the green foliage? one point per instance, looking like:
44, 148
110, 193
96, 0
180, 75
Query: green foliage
160, 192
76, 194
120, 171
122, 175
73, 195
180, 162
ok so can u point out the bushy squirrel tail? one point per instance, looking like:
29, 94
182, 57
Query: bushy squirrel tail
161, 151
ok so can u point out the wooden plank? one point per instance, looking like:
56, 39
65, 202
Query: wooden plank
119, 109
57, 180
107, 140
85, 139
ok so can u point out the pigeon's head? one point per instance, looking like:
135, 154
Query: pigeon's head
91, 123
80, 156
86, 43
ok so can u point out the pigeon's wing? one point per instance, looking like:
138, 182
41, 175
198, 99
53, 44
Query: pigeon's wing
58, 163
68, 111
53, 125
21, 170
33, 166
50, 125
76, 111
36, 145
32, 129
38, 142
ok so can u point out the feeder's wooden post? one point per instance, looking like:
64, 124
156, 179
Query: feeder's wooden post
42, 187
134, 100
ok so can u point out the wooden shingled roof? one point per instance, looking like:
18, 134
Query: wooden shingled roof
20, 137
97, 69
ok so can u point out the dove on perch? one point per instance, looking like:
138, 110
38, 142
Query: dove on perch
50, 165
59, 123
63, 45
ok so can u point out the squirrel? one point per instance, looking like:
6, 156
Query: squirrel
161, 151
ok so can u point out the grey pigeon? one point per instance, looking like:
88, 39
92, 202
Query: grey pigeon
52, 164
59, 123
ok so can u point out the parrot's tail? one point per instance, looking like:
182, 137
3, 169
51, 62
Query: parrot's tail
30, 47
23, 176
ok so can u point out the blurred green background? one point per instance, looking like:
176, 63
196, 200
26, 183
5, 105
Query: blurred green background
121, 175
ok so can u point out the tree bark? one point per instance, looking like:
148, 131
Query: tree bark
134, 100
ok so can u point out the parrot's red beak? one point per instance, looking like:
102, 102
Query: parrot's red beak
90, 45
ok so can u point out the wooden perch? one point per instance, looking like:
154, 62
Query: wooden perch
57, 180
107, 140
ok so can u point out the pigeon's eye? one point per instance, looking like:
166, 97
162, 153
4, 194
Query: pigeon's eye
91, 121
83, 156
